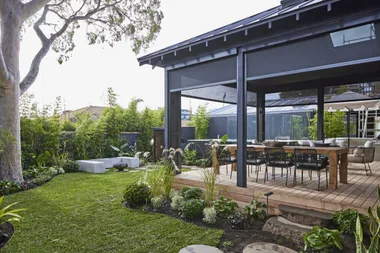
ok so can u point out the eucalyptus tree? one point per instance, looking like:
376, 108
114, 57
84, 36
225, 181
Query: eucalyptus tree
55, 23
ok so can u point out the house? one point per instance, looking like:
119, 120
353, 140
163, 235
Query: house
94, 111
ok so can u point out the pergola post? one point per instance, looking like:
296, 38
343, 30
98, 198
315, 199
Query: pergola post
172, 135
260, 116
320, 111
241, 120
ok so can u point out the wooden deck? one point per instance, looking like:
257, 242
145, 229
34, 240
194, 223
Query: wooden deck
360, 192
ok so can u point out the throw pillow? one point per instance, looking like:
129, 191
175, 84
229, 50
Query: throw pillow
358, 151
368, 144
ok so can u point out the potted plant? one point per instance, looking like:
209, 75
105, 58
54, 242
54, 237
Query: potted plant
6, 217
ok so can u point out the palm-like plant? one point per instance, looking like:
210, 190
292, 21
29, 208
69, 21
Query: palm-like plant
120, 149
7, 215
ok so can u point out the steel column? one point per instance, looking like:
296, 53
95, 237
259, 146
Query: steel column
172, 119
321, 110
241, 120
260, 117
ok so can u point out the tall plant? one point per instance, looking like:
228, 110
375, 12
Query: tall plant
334, 125
201, 122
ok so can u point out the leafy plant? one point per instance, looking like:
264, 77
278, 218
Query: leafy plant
42, 159
192, 209
190, 156
225, 207
60, 160
374, 229
345, 220
224, 139
137, 194
236, 220
177, 203
7, 187
71, 166
227, 244
158, 202
191, 193
120, 149
7, 215
201, 122
209, 215
322, 239
209, 178
254, 210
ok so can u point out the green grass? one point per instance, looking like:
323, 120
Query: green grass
82, 212
185, 169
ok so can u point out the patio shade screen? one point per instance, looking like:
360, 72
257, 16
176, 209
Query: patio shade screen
357, 43
290, 98
219, 93
218, 71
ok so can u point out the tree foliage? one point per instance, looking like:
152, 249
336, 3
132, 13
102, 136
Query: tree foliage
334, 125
201, 122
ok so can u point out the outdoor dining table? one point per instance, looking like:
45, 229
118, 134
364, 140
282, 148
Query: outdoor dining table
332, 152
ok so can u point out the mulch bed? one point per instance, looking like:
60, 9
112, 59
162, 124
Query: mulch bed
252, 232
6, 232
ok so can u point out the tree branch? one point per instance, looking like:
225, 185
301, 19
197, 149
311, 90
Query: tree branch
35, 66
33, 7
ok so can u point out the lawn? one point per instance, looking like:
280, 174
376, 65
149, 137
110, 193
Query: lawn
82, 212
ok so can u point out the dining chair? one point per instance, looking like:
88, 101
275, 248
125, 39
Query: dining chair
308, 159
225, 157
276, 157
254, 158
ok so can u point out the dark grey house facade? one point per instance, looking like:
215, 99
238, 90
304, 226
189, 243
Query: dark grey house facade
298, 45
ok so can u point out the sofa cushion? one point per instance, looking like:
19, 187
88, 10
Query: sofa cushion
368, 144
341, 143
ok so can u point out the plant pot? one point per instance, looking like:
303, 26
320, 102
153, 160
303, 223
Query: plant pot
6, 232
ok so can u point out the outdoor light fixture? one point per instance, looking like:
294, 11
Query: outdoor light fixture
267, 195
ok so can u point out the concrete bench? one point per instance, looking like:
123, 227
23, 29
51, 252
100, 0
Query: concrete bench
101, 164
91, 166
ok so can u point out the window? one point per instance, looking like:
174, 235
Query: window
353, 35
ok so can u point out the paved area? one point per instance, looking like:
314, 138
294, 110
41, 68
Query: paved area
200, 249
264, 247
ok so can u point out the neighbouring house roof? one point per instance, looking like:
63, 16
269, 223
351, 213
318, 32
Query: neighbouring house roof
348, 96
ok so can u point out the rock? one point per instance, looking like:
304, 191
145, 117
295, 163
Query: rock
305, 216
280, 226
264, 247
200, 249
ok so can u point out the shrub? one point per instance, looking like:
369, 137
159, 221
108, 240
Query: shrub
322, 239
173, 193
192, 209
190, 156
9, 187
158, 202
345, 220
236, 220
191, 193
30, 173
70, 166
209, 215
225, 207
254, 210
137, 195
41, 179
177, 203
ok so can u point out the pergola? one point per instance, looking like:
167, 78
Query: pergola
297, 45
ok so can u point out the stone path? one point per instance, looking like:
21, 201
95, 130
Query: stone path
264, 247
200, 249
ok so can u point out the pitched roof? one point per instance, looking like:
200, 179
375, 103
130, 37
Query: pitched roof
348, 96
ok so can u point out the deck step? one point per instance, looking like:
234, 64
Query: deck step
280, 226
306, 217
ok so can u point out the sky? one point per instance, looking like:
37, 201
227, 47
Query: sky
84, 79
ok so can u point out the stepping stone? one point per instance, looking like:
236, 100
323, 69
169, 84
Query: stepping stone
305, 216
264, 247
200, 249
280, 226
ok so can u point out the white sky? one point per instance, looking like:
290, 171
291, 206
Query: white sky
84, 79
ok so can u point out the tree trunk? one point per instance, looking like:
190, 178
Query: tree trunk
10, 160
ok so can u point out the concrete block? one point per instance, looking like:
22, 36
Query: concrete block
91, 166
